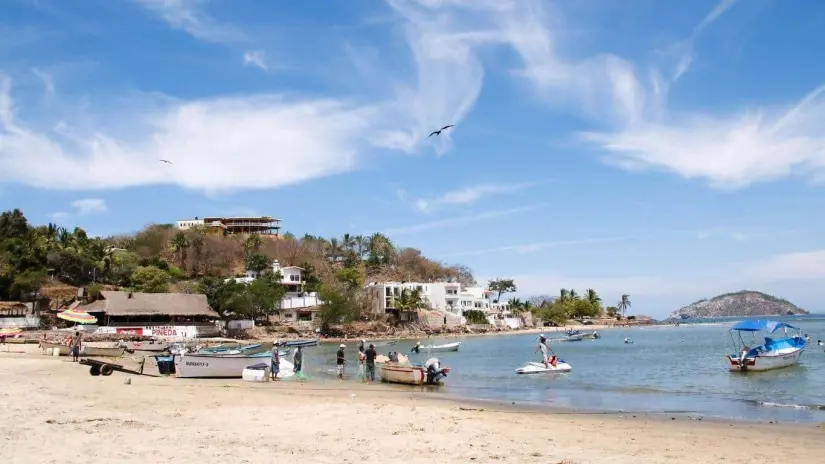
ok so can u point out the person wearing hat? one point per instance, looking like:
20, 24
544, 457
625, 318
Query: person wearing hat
545, 356
340, 361
276, 360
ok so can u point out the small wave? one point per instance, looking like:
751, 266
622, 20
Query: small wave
772, 404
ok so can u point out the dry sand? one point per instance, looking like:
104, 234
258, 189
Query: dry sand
53, 411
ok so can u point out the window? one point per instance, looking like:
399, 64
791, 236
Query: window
388, 291
294, 278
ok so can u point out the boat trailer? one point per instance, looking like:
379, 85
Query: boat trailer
106, 368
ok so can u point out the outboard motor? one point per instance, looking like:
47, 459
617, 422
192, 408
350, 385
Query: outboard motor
434, 371
393, 356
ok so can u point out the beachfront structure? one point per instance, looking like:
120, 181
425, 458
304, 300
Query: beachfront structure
448, 297
264, 225
179, 315
296, 305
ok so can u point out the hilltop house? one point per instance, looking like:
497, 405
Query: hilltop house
297, 305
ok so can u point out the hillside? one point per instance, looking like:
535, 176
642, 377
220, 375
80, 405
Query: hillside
743, 303
159, 259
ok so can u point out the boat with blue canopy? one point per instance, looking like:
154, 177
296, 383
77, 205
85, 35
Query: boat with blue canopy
773, 353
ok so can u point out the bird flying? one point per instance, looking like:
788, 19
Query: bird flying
165, 161
438, 132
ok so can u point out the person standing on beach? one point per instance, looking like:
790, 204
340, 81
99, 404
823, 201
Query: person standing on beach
362, 370
339, 361
276, 360
297, 359
370, 355
75, 346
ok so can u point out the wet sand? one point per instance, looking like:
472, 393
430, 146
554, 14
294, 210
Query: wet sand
53, 411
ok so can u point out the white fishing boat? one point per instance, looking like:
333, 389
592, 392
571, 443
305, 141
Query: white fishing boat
48, 348
441, 348
774, 353
431, 373
205, 366
628, 340
541, 368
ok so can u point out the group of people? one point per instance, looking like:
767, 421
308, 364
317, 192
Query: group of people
297, 359
366, 361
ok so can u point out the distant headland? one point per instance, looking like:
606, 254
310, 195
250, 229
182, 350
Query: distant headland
742, 303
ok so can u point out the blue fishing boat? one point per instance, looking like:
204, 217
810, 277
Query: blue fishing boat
774, 353
303, 343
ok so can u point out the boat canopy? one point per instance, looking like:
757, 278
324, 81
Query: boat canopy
761, 325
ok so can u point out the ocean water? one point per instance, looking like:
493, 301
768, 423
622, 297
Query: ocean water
679, 370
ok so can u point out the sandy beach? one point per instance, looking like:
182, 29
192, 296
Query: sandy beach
53, 411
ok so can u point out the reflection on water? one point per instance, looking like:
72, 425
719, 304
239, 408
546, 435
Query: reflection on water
676, 369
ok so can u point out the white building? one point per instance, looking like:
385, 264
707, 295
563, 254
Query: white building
297, 305
441, 296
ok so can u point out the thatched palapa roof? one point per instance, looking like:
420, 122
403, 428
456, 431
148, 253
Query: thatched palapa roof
150, 304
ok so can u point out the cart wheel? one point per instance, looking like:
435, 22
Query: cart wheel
94, 370
106, 370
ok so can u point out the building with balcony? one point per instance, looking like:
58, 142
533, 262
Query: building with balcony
448, 297
296, 305
263, 225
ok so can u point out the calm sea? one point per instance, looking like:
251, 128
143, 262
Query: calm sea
667, 369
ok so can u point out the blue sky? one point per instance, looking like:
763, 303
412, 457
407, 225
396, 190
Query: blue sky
670, 150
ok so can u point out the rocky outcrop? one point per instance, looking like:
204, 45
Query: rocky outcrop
744, 303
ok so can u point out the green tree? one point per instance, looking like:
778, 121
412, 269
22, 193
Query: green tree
338, 306
408, 300
611, 311
150, 279
179, 243
258, 262
27, 283
264, 295
501, 286
474, 316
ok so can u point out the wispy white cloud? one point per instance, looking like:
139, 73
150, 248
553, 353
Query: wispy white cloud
255, 58
781, 268
215, 144
83, 207
471, 194
460, 220
533, 247
48, 82
188, 15
685, 48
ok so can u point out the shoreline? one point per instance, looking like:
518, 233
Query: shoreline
100, 418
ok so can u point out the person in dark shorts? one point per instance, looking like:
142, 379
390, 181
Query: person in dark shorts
340, 361
75, 347
298, 359
370, 361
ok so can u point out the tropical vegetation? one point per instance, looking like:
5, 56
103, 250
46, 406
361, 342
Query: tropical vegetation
160, 258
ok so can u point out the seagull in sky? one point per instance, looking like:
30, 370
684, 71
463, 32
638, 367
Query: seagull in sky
438, 132
165, 161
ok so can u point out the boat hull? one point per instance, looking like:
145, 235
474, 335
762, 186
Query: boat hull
764, 362
102, 351
302, 343
221, 367
540, 368
441, 348
408, 375
47, 347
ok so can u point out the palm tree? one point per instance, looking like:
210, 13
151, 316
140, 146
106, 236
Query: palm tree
333, 249
573, 295
179, 244
564, 295
624, 303
593, 297
362, 245
348, 242
409, 300
252, 243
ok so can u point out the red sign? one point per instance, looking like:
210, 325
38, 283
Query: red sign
130, 330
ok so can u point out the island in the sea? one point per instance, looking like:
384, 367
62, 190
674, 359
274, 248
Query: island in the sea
744, 303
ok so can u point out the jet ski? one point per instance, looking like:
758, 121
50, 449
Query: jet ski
541, 368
